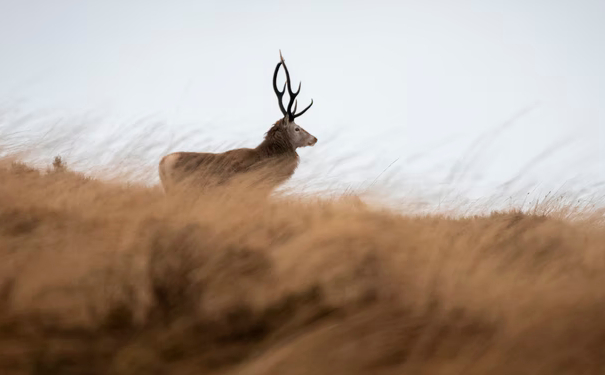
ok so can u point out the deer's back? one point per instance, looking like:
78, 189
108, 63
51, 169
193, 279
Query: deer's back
204, 168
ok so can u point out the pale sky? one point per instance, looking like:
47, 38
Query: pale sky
427, 84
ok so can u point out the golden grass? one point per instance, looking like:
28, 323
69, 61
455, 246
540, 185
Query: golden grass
106, 278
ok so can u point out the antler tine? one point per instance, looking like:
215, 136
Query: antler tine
297, 91
291, 93
304, 110
280, 94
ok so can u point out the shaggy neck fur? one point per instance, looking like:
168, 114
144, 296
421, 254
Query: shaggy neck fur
276, 141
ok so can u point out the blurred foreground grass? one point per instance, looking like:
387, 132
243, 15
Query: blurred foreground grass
102, 277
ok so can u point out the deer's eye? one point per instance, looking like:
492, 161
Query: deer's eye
297, 129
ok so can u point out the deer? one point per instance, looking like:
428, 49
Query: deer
276, 153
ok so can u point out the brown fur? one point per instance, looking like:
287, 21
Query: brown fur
275, 153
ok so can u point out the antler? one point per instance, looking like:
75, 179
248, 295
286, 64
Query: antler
280, 94
292, 95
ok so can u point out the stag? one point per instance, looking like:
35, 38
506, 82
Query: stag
276, 153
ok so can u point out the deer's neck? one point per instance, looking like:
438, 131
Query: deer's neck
276, 143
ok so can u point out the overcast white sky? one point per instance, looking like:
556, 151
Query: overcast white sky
414, 81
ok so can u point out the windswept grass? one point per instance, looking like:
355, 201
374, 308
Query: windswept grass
109, 278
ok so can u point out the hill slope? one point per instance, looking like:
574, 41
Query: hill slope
100, 278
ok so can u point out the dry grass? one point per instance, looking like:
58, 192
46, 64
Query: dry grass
100, 278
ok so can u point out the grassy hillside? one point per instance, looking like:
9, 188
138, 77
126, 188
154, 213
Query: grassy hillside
105, 278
